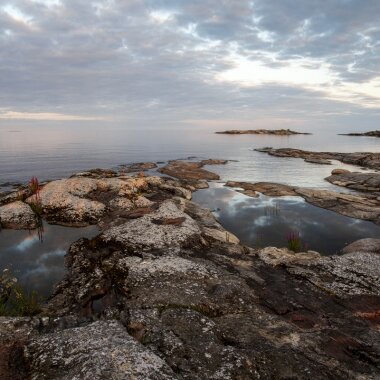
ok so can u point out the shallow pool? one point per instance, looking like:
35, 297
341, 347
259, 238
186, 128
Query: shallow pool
266, 221
38, 264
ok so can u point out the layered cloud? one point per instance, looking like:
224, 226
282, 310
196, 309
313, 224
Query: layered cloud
193, 61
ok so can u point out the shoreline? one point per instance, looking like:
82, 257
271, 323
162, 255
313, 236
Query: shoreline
163, 275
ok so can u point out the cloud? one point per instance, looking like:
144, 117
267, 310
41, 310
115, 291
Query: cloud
170, 60
12, 115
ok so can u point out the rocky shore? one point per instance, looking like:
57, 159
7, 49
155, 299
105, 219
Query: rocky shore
165, 292
275, 132
362, 159
369, 134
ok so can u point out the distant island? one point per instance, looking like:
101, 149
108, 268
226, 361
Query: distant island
276, 132
370, 134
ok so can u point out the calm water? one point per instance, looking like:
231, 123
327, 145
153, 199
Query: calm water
54, 151
39, 265
266, 221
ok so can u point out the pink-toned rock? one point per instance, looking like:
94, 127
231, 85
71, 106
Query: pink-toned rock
339, 171
17, 215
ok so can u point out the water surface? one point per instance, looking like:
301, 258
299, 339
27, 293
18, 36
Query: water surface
266, 221
54, 151
39, 265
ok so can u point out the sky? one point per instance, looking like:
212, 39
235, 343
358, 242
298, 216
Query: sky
210, 63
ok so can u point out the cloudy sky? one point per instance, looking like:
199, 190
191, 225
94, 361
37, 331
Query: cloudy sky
216, 63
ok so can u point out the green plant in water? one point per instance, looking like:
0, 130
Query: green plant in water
36, 207
295, 242
14, 300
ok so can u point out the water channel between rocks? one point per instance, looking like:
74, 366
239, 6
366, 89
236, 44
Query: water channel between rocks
266, 221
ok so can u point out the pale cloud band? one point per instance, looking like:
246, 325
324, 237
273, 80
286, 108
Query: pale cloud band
12, 115
165, 61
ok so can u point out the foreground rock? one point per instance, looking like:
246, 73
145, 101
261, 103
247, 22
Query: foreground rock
191, 171
98, 351
370, 134
366, 207
276, 132
164, 292
369, 182
363, 159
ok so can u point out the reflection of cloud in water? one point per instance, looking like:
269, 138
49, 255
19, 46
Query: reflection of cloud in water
51, 256
28, 242
38, 266
262, 221
272, 218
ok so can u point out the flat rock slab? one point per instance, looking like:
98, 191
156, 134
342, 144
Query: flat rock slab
188, 171
369, 182
17, 215
363, 159
354, 206
268, 188
318, 161
367, 134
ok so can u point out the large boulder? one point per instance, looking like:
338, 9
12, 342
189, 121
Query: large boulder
17, 215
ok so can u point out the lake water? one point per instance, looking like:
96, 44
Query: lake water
55, 151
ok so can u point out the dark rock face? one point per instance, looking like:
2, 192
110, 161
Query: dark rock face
188, 170
169, 294
370, 134
365, 207
276, 132
363, 159
368, 182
